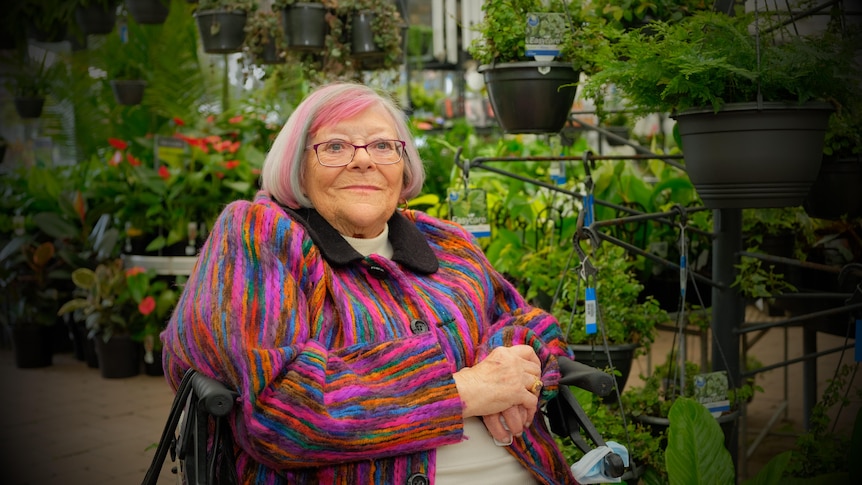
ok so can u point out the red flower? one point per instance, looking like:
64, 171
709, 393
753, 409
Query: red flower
255, 171
233, 147
210, 118
134, 271
147, 305
164, 173
236, 119
80, 205
178, 121
132, 160
231, 164
117, 143
219, 175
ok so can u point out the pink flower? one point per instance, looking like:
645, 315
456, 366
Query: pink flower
116, 159
147, 305
117, 143
236, 119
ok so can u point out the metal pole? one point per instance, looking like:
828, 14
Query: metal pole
728, 311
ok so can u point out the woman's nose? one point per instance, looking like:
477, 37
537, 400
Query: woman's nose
362, 159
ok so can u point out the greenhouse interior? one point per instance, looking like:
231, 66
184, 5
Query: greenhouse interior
665, 197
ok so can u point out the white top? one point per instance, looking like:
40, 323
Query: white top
375, 245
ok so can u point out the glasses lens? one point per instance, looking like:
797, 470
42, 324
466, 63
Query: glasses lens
335, 153
385, 151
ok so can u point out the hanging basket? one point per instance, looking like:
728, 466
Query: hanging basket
29, 108
837, 191
531, 96
128, 92
304, 26
362, 36
221, 31
621, 355
95, 19
745, 157
149, 12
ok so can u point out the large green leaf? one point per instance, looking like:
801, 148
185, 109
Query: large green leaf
695, 447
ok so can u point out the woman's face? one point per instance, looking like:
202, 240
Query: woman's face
358, 198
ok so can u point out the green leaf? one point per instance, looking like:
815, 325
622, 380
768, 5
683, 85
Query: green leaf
695, 447
772, 472
55, 226
84, 278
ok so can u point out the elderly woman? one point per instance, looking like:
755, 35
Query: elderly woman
370, 344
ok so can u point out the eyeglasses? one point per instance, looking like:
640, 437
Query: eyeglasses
337, 153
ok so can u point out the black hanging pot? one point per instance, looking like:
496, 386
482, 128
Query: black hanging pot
304, 26
750, 156
149, 12
95, 19
837, 190
29, 108
622, 356
531, 96
128, 92
269, 53
221, 31
362, 36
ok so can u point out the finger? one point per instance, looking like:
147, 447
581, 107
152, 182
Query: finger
514, 420
527, 353
496, 428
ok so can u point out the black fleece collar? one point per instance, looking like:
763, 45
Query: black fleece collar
408, 244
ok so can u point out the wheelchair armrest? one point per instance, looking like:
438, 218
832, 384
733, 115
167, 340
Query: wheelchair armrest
212, 395
586, 377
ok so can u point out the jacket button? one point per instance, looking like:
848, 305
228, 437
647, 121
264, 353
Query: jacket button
417, 479
418, 326
377, 271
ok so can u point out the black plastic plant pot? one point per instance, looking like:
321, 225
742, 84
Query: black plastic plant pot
304, 25
32, 346
96, 20
148, 12
362, 37
531, 96
29, 108
221, 31
750, 156
837, 192
128, 92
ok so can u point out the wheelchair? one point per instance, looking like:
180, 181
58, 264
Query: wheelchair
198, 416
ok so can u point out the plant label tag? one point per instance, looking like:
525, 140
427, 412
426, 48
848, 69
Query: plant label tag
170, 151
470, 209
544, 35
557, 171
710, 389
590, 311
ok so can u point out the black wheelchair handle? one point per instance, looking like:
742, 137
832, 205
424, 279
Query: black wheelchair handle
213, 395
613, 465
585, 377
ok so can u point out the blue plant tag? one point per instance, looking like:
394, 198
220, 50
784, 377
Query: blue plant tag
590, 311
682, 278
588, 210
470, 209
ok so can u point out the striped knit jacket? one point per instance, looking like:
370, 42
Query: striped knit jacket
344, 363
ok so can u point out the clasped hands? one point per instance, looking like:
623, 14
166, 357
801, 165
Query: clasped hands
506, 384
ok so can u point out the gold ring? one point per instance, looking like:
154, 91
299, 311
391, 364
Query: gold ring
537, 386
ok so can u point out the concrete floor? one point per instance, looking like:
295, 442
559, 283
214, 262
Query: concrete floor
65, 424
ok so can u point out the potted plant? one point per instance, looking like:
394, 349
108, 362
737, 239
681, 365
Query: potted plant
155, 298
96, 17
264, 37
104, 303
532, 93
628, 317
31, 82
835, 193
631, 14
708, 70
148, 12
128, 83
375, 32
221, 24
304, 23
